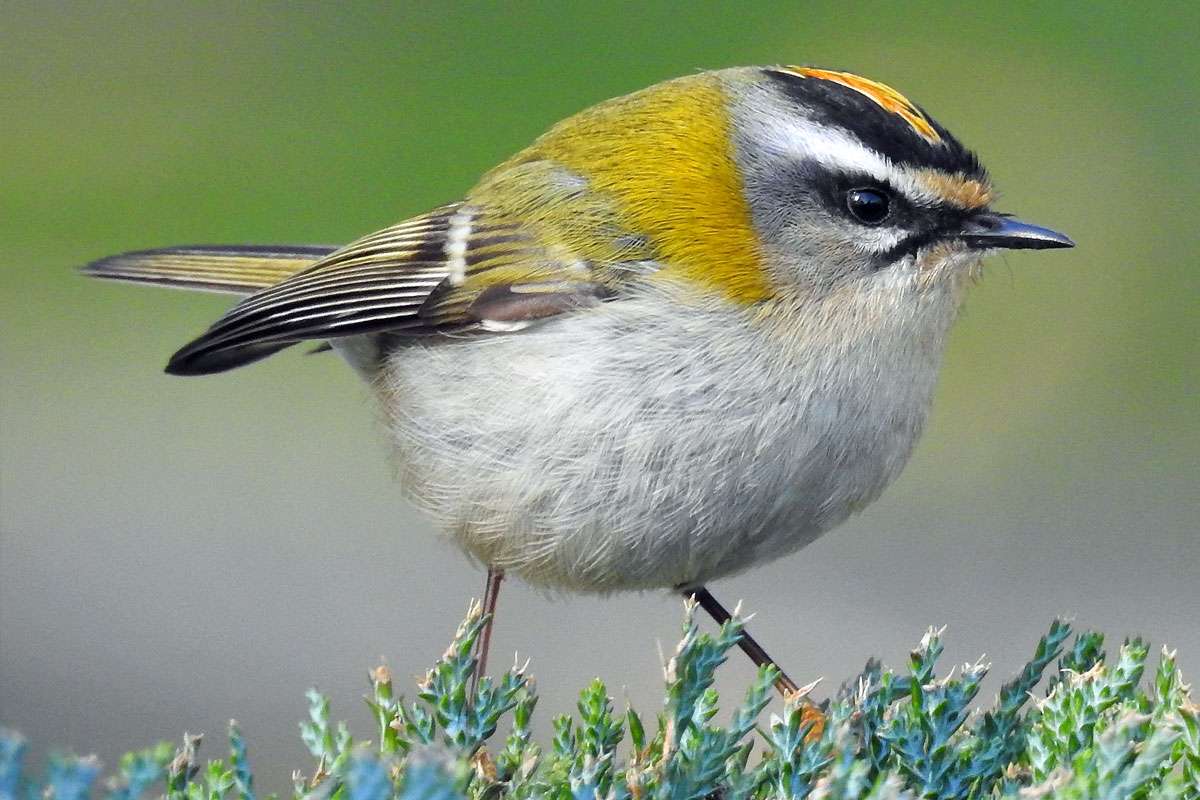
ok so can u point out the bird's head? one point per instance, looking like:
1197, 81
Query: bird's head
757, 183
852, 185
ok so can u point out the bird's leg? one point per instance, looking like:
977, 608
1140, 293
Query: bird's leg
491, 592
786, 686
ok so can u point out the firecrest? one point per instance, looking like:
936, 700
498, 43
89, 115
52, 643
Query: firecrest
684, 332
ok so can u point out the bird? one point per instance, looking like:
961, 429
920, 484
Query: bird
683, 333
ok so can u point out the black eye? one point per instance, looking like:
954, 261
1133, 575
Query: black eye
868, 206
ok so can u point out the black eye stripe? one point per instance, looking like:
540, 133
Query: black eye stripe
924, 225
909, 245
833, 184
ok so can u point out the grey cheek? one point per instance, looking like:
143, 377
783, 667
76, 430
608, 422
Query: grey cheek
779, 197
807, 249
806, 245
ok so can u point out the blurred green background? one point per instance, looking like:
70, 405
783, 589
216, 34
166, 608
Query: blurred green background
174, 552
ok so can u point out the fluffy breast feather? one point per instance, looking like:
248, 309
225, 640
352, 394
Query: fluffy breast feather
655, 440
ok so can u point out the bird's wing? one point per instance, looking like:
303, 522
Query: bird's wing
456, 268
238, 269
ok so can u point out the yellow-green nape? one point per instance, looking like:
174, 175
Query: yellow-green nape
662, 161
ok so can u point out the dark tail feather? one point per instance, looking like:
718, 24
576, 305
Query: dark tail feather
239, 268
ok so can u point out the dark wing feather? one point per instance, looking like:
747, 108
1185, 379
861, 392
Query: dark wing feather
375, 283
418, 277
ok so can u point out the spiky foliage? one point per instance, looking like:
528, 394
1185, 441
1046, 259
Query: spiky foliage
1099, 729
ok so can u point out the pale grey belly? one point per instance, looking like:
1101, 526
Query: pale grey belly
616, 449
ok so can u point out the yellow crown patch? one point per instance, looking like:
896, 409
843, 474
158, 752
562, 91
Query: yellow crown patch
883, 95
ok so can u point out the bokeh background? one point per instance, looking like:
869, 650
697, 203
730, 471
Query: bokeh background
176, 552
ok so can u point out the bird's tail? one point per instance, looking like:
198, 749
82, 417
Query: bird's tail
239, 268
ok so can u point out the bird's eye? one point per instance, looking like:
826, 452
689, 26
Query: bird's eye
868, 206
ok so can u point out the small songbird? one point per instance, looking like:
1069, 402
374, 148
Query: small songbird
684, 332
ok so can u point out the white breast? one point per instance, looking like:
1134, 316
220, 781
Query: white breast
647, 443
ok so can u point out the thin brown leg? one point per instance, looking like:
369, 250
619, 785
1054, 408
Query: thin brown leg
750, 647
491, 592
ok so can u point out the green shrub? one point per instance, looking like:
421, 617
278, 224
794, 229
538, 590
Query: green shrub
1099, 729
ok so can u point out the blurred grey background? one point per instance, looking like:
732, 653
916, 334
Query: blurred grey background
176, 552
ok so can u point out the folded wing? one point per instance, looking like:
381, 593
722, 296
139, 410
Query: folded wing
457, 268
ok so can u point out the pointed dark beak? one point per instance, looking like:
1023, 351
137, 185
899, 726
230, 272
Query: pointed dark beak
996, 231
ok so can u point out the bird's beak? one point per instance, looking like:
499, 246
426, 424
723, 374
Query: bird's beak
997, 231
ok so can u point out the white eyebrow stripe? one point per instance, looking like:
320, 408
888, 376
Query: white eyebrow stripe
805, 139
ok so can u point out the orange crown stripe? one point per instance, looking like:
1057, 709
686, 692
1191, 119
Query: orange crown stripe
885, 96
